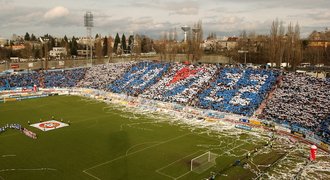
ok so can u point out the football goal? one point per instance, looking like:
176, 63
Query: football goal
203, 162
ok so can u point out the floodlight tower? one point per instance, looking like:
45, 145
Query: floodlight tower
88, 22
185, 29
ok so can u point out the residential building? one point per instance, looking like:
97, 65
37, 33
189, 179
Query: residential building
58, 52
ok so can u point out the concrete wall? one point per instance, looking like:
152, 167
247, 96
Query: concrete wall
204, 59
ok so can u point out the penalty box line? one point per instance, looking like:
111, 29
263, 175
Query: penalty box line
159, 171
129, 154
175, 178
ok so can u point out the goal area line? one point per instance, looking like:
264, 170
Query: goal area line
192, 155
159, 171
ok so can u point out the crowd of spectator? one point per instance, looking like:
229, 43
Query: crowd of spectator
181, 83
238, 90
19, 80
64, 78
139, 78
52, 78
325, 130
99, 76
301, 100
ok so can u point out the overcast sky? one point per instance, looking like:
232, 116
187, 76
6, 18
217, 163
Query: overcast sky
153, 17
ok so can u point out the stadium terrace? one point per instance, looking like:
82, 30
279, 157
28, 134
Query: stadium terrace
298, 102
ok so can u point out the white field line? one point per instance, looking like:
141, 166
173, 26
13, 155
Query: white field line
152, 142
162, 173
36, 169
182, 175
8, 155
217, 156
123, 156
91, 175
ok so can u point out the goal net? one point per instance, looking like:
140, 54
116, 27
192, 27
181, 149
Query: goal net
203, 162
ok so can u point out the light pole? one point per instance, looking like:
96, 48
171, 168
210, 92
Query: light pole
88, 22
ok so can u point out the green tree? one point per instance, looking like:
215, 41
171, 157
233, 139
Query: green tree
123, 43
33, 37
117, 41
65, 43
74, 46
65, 38
105, 46
51, 42
27, 37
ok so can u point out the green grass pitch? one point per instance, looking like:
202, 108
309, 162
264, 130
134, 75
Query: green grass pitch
104, 142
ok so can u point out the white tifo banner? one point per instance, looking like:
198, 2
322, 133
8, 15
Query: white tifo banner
49, 125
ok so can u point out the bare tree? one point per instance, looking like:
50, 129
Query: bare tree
297, 47
277, 43
110, 48
194, 43
137, 46
98, 48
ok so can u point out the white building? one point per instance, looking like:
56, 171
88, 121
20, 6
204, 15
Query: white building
216, 45
58, 52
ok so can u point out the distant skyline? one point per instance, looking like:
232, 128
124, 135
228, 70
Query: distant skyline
154, 17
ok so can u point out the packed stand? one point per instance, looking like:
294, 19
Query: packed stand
139, 78
324, 131
99, 76
181, 83
301, 100
237, 90
63, 78
25, 80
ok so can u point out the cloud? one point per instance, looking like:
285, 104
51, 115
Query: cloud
183, 8
152, 17
325, 15
186, 7
56, 12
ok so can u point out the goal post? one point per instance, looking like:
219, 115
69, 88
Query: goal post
203, 162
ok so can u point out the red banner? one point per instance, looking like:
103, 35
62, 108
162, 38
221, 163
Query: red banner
183, 74
14, 66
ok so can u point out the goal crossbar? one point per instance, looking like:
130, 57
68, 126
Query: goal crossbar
203, 162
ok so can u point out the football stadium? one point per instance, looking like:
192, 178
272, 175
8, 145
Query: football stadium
159, 120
